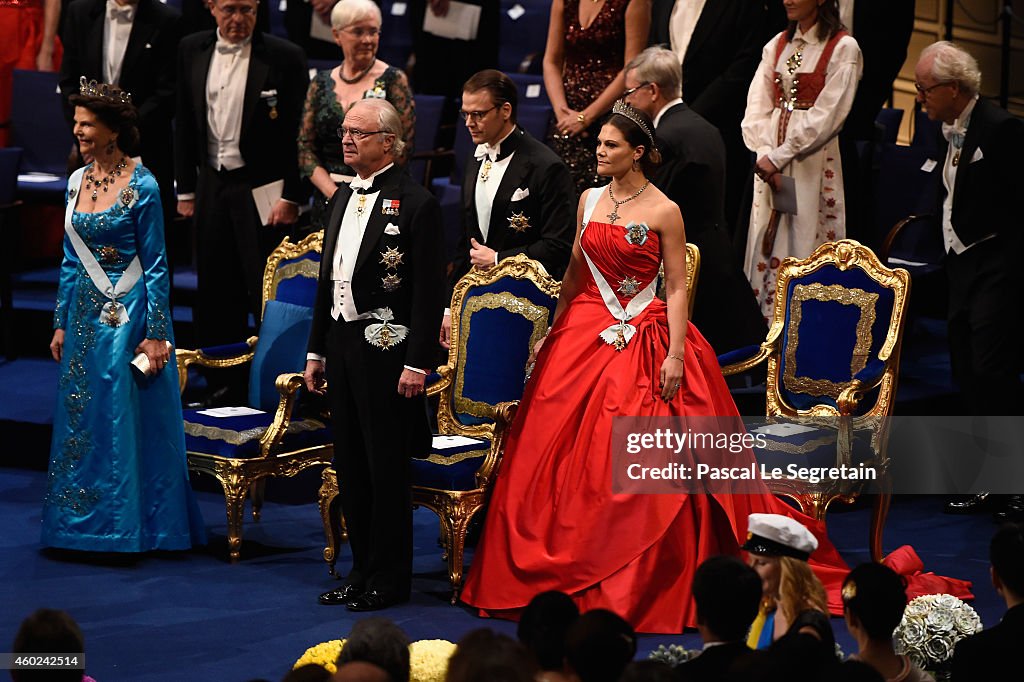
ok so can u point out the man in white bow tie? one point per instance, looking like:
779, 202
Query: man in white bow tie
379, 293
133, 44
240, 96
981, 182
517, 195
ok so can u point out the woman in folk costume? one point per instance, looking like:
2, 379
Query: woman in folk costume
796, 105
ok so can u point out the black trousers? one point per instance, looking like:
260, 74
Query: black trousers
984, 327
376, 432
231, 254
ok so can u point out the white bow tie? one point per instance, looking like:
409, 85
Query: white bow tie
224, 47
122, 15
361, 183
954, 134
487, 150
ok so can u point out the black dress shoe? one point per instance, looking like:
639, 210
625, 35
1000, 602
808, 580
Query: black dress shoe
342, 595
1012, 510
372, 601
970, 504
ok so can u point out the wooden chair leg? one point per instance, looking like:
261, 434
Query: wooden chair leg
257, 492
330, 515
235, 489
456, 541
879, 512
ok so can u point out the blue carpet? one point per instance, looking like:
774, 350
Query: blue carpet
193, 615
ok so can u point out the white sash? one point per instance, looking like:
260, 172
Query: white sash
618, 334
114, 313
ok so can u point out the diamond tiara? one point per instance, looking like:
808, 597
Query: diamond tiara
90, 88
623, 109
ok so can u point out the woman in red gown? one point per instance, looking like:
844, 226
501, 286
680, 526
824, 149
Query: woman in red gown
554, 522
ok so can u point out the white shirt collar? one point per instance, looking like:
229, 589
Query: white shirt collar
959, 126
367, 182
811, 37
657, 119
491, 150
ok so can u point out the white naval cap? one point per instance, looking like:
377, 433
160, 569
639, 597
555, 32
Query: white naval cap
778, 535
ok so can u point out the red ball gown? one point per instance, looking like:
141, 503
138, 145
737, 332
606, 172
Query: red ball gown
554, 522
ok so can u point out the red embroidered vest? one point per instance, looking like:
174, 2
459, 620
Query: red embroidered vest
806, 86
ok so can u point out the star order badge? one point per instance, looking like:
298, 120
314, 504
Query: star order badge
390, 283
519, 222
391, 258
629, 286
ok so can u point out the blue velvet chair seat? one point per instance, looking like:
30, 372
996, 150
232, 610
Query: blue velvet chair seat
239, 436
451, 468
813, 448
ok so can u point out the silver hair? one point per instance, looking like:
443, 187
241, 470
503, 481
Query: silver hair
388, 121
953, 64
348, 12
661, 66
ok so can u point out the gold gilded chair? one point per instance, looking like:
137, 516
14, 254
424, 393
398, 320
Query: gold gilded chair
692, 276
242, 447
498, 315
834, 341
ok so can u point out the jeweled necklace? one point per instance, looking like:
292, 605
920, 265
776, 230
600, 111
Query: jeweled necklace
107, 180
614, 215
356, 78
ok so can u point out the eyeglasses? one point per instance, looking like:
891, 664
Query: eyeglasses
925, 91
629, 92
358, 134
232, 10
476, 115
360, 32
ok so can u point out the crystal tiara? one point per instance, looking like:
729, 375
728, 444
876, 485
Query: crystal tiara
90, 88
623, 109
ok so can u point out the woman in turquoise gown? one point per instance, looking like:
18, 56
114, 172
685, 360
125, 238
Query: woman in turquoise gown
118, 479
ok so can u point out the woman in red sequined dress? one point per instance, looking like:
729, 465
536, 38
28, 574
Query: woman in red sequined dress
589, 43
554, 522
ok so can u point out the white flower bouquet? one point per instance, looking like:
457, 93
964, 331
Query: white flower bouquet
932, 625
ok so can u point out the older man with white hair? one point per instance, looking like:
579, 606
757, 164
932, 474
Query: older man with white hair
692, 174
981, 183
380, 293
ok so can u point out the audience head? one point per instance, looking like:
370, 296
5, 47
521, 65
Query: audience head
236, 19
486, 656
874, 598
1006, 553
311, 672
542, 627
634, 128
727, 593
360, 671
48, 631
380, 642
371, 136
779, 548
823, 13
598, 646
648, 671
356, 28
105, 119
653, 78
489, 102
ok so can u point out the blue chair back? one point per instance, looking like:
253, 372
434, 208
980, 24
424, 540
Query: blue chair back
463, 148
37, 122
428, 123
289, 291
926, 132
902, 186
531, 89
837, 319
523, 38
10, 158
535, 119
499, 321
890, 120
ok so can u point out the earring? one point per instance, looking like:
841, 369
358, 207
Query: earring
110, 146
636, 165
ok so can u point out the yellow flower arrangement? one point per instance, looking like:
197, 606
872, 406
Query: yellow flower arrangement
324, 655
428, 658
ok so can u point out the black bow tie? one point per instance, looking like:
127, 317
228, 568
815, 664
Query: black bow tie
366, 190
